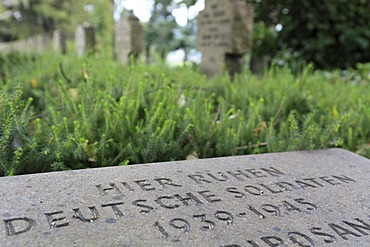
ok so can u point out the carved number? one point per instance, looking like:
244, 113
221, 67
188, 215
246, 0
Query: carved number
181, 224
302, 201
224, 216
207, 224
272, 209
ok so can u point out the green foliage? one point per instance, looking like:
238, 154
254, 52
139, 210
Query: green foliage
163, 35
264, 47
14, 115
45, 16
264, 40
159, 31
108, 114
331, 34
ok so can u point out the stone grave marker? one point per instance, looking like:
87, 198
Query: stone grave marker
84, 40
128, 37
308, 198
224, 35
42, 42
33, 44
59, 41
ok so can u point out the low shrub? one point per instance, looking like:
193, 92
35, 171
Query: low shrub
62, 112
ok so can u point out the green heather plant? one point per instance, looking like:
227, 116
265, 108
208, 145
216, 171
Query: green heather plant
62, 112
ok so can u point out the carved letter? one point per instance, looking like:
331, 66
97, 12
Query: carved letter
103, 191
341, 231
308, 241
94, 213
208, 194
144, 185
10, 229
199, 179
257, 191
115, 209
315, 230
166, 181
147, 208
272, 171
168, 206
53, 221
272, 241
189, 197
222, 178
235, 191
237, 174
344, 179
357, 227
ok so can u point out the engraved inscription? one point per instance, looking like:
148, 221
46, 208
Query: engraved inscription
287, 186
234, 205
177, 226
18, 225
216, 28
207, 222
225, 26
314, 236
53, 220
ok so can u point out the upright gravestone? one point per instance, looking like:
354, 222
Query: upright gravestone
224, 35
84, 40
28, 45
128, 38
59, 41
33, 44
42, 42
309, 198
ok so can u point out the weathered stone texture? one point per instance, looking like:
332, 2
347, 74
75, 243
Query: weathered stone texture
313, 198
128, 38
84, 40
224, 27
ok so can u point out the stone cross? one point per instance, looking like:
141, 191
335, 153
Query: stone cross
128, 38
224, 35
84, 40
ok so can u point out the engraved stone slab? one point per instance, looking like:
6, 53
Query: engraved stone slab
128, 37
224, 27
313, 198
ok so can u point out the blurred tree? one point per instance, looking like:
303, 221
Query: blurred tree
158, 32
32, 17
186, 35
162, 32
185, 38
331, 34
264, 47
37, 16
99, 14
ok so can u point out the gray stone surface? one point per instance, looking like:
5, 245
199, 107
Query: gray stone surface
224, 28
59, 41
128, 37
84, 40
34, 44
313, 198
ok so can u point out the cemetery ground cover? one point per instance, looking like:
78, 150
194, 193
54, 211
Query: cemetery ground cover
62, 112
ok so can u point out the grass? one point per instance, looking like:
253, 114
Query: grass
104, 114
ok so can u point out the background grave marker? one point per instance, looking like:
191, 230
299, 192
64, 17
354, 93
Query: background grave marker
84, 40
127, 37
224, 35
59, 41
